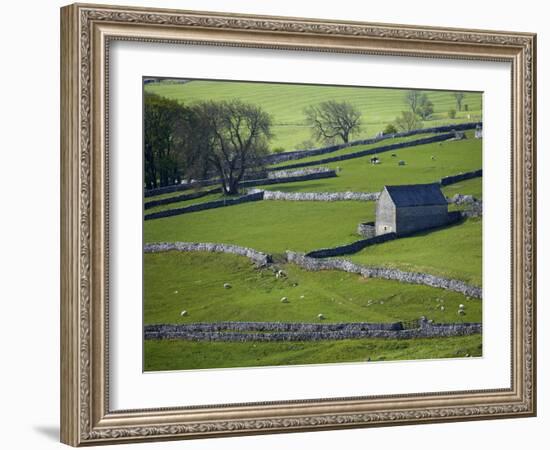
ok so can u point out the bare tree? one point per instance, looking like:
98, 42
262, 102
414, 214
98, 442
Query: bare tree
459, 97
407, 121
413, 99
332, 119
234, 138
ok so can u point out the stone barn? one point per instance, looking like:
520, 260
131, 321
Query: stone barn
409, 208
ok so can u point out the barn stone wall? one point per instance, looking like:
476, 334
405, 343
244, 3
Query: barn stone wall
385, 214
417, 218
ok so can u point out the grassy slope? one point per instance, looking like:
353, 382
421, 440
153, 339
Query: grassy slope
198, 279
470, 187
180, 355
269, 226
286, 103
255, 296
455, 251
358, 174
356, 148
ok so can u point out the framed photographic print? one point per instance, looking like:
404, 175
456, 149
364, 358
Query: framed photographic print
274, 224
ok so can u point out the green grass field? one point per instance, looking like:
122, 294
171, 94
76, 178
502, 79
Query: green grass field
255, 295
358, 174
454, 251
176, 355
268, 226
286, 102
194, 282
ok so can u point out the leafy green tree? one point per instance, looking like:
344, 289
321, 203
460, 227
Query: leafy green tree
390, 129
425, 107
232, 140
331, 120
165, 139
407, 121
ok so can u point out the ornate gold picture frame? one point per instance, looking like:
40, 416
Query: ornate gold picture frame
87, 32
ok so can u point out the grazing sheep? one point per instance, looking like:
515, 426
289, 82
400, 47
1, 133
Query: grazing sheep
401, 163
442, 308
226, 285
433, 158
284, 300
461, 306
320, 316
183, 313
280, 274
175, 292
461, 312
302, 296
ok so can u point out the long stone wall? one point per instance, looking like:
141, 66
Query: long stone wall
461, 177
426, 279
179, 198
372, 151
204, 206
295, 173
259, 258
318, 196
273, 332
349, 249
300, 154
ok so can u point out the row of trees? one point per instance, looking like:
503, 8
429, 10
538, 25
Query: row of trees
230, 138
420, 108
224, 138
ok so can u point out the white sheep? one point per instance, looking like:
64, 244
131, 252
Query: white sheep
183, 313
284, 300
226, 285
320, 316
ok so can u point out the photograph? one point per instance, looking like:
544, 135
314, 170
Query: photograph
295, 224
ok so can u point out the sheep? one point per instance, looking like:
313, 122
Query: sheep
320, 316
183, 313
433, 158
401, 163
226, 285
284, 300
280, 274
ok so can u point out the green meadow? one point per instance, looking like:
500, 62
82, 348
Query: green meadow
286, 103
194, 281
175, 355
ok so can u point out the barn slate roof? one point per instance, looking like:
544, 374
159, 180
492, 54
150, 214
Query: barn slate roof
416, 195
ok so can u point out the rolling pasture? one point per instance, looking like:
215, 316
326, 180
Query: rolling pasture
286, 102
194, 281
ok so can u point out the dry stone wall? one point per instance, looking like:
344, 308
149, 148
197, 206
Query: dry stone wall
299, 154
426, 279
204, 206
272, 332
317, 196
372, 151
259, 258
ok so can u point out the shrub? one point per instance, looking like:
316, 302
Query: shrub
390, 129
452, 113
278, 150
